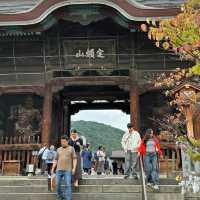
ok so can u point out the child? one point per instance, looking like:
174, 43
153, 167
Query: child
150, 149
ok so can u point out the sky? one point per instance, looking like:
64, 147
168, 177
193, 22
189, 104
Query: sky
115, 118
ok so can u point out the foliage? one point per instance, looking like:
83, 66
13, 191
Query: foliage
194, 142
170, 80
180, 34
192, 147
99, 134
174, 123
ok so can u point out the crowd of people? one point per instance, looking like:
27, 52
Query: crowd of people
88, 162
73, 159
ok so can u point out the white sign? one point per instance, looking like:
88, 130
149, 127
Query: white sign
90, 53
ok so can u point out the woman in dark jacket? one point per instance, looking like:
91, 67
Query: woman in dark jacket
76, 142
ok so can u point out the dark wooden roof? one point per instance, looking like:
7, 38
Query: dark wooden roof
186, 85
23, 12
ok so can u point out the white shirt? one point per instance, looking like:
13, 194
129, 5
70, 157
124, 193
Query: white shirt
131, 141
44, 151
101, 155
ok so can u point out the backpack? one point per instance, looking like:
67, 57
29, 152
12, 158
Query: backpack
50, 155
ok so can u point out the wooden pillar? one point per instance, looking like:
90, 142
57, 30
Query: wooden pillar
189, 119
67, 118
196, 122
47, 114
134, 107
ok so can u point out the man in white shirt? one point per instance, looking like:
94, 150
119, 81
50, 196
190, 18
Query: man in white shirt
130, 144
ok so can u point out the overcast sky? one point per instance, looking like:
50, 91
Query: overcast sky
115, 118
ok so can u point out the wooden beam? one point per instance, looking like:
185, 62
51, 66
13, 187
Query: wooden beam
87, 80
18, 89
124, 106
17, 147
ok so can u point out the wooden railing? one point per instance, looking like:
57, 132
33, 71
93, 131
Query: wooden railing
20, 148
171, 158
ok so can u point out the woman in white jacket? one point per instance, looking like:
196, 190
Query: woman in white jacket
100, 160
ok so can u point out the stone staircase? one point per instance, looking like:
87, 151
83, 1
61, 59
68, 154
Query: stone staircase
91, 188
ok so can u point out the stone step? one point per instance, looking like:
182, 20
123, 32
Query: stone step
192, 196
92, 196
121, 181
24, 181
90, 189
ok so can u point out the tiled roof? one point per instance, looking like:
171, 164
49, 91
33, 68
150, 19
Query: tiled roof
161, 3
17, 6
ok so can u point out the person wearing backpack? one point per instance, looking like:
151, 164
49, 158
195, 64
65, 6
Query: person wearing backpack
151, 151
51, 154
42, 157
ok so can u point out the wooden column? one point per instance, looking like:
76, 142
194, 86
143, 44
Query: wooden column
189, 119
196, 122
67, 118
47, 115
134, 106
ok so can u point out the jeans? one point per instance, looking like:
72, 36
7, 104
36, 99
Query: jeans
67, 180
151, 168
131, 159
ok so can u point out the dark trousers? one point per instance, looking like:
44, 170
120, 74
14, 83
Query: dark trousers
44, 166
87, 170
49, 167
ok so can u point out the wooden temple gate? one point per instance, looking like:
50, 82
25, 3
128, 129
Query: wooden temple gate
85, 52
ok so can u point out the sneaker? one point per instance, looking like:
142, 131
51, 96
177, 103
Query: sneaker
135, 177
156, 187
60, 198
149, 184
126, 176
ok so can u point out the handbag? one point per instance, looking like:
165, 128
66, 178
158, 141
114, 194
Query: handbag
53, 183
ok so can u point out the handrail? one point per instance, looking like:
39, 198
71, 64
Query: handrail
142, 175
